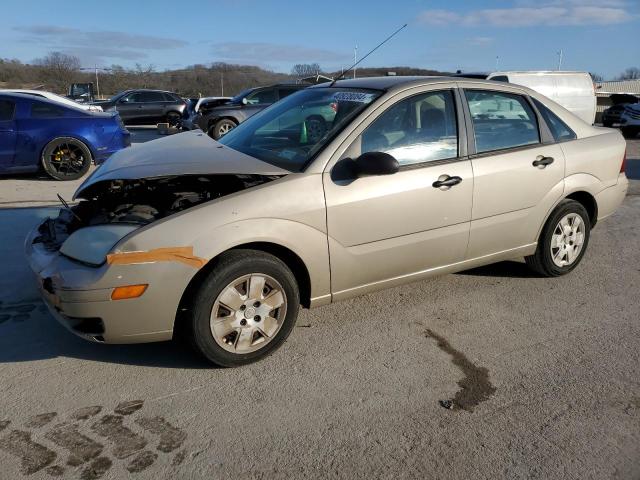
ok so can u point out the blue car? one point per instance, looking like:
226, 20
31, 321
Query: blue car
38, 134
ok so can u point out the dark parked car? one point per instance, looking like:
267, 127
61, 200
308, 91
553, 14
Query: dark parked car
611, 116
219, 119
36, 133
146, 106
193, 107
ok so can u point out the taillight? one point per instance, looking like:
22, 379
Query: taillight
624, 161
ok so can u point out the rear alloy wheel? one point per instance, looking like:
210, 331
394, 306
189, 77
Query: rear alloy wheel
244, 309
173, 119
66, 158
221, 128
563, 240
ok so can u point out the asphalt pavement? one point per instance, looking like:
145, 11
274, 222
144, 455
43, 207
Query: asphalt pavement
543, 376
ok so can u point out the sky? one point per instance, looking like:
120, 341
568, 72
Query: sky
600, 36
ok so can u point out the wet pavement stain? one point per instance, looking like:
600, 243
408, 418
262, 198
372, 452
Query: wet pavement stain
33, 456
87, 458
97, 469
475, 387
86, 412
171, 438
40, 420
125, 441
127, 408
179, 458
142, 461
55, 470
81, 447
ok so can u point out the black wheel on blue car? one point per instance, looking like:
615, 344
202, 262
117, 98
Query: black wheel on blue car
66, 158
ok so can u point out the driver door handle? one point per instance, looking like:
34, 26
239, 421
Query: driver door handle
542, 161
446, 181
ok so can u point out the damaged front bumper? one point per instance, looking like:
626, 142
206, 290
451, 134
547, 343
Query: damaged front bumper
79, 295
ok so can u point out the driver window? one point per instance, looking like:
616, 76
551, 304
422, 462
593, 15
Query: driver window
415, 130
262, 96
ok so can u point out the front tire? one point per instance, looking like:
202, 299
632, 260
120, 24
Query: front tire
245, 308
563, 240
66, 158
221, 128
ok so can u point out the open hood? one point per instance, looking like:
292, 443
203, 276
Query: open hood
189, 153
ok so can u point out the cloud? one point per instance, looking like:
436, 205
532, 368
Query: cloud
97, 45
555, 13
480, 41
260, 51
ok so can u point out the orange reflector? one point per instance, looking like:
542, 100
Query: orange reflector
129, 291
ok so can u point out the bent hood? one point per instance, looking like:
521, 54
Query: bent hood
189, 153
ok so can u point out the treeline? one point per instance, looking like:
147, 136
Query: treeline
215, 79
57, 71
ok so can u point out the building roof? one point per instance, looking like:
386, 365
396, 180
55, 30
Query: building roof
621, 86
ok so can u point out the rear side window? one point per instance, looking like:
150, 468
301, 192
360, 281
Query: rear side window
45, 110
560, 130
171, 98
415, 130
7, 108
500, 78
501, 120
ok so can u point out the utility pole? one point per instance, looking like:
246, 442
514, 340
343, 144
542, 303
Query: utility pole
97, 82
497, 61
355, 59
560, 59
222, 84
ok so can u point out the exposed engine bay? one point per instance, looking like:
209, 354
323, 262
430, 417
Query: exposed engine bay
141, 201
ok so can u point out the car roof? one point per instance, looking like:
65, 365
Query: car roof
398, 82
32, 98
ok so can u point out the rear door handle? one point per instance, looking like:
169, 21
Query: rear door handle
542, 161
446, 181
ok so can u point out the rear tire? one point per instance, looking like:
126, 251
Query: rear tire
221, 128
629, 132
234, 318
563, 240
66, 158
173, 119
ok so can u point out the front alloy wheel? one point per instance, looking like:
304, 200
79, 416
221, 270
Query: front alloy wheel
243, 309
248, 313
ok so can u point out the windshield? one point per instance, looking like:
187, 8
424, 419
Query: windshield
290, 132
238, 98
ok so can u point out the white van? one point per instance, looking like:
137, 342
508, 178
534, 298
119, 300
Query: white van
573, 90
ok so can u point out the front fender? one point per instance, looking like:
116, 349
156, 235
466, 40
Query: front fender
308, 243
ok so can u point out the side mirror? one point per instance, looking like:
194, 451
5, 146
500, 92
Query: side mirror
244, 100
375, 163
367, 164
124, 100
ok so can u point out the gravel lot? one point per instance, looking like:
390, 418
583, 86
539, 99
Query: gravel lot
548, 371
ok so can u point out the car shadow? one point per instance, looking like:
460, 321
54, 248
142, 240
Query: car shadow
28, 332
506, 269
